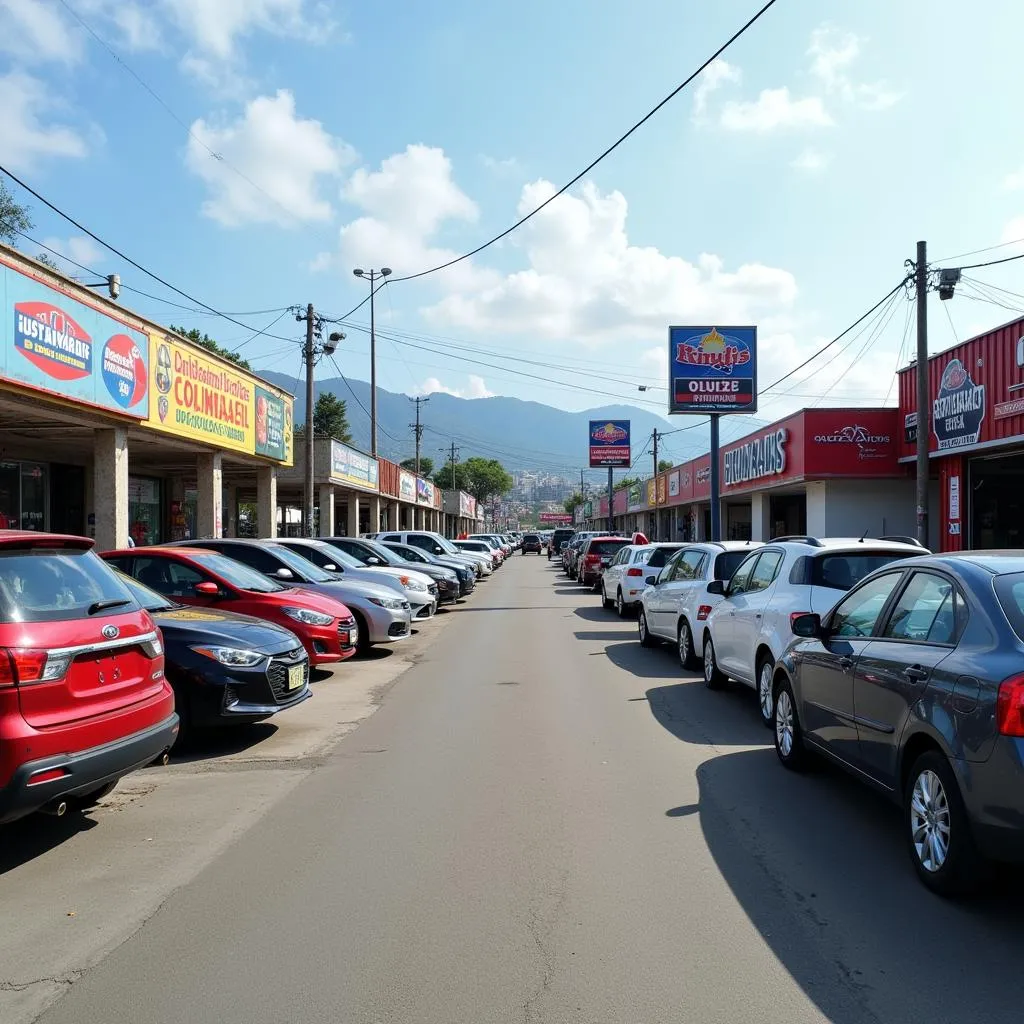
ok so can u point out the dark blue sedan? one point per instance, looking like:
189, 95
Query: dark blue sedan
915, 683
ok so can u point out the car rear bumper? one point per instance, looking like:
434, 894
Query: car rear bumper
992, 792
84, 771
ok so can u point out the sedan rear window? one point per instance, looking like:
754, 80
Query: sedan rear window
728, 562
659, 556
55, 584
846, 570
1010, 592
606, 547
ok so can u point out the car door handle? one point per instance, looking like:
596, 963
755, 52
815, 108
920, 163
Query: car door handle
758, 615
846, 664
916, 672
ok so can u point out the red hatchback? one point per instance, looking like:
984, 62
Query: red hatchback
196, 576
83, 698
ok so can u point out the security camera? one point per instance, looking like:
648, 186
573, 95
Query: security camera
114, 285
331, 344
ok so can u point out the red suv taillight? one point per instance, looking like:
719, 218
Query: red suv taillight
703, 612
634, 571
593, 558
1010, 706
19, 666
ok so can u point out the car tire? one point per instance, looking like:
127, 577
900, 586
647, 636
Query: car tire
605, 602
765, 691
646, 640
684, 645
620, 605
713, 677
363, 644
933, 811
789, 740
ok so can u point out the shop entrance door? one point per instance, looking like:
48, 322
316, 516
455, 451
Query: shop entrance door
788, 515
67, 499
997, 502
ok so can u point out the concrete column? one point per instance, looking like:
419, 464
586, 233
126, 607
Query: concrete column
210, 495
817, 492
420, 519
110, 487
353, 514
374, 513
393, 517
266, 501
326, 503
231, 511
760, 516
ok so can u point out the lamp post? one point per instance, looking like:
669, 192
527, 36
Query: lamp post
373, 276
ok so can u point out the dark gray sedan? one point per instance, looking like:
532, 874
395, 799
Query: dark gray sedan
915, 682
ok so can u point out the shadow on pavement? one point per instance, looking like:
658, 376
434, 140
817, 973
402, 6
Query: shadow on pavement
643, 662
721, 718
31, 837
204, 744
595, 613
378, 652
606, 634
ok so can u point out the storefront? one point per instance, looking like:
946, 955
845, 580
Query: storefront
109, 423
975, 439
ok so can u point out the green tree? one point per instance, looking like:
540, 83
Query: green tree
426, 466
483, 478
205, 341
330, 419
627, 481
571, 504
13, 216
664, 464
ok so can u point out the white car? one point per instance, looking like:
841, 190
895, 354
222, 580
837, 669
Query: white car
675, 606
625, 579
749, 629
431, 542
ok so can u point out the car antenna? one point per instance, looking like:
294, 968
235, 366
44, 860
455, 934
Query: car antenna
863, 535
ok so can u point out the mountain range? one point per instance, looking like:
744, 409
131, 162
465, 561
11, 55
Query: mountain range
521, 435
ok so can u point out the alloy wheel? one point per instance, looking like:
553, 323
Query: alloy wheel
619, 605
709, 661
929, 821
685, 644
784, 723
764, 691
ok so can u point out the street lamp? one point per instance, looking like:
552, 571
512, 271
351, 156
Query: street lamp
373, 276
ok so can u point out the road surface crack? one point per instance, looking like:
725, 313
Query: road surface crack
540, 926
56, 979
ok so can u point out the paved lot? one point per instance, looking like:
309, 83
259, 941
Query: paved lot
543, 822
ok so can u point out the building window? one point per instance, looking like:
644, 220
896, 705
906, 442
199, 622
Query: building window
23, 489
144, 510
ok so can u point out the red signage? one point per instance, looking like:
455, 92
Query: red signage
563, 519
852, 442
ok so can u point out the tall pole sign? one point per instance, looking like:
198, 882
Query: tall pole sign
609, 446
712, 370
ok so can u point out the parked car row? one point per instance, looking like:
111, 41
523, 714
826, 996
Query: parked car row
108, 660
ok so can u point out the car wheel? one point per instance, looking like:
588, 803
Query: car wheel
713, 678
646, 640
605, 602
620, 605
789, 741
687, 659
87, 800
938, 833
363, 643
765, 694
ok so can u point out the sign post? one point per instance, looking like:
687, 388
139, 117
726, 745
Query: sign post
611, 499
712, 370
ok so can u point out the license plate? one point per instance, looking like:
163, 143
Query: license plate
604, 562
296, 676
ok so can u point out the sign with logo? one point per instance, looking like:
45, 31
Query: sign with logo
1003, 410
467, 505
869, 445
703, 475
49, 342
712, 369
270, 424
609, 443
424, 491
406, 485
673, 484
650, 493
577, 515
588, 510
559, 518
959, 409
954, 497
351, 467
910, 428
764, 456
635, 498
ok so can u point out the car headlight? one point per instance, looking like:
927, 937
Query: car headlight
393, 604
411, 584
237, 657
309, 617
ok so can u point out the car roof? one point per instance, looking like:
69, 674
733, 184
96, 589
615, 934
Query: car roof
162, 549
997, 562
830, 545
15, 538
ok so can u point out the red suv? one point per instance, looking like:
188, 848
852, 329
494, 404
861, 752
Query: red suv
594, 557
83, 698
196, 576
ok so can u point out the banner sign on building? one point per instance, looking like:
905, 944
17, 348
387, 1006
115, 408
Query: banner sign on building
558, 518
959, 409
424, 491
406, 486
673, 484
761, 457
467, 505
270, 424
351, 467
609, 443
50, 342
712, 369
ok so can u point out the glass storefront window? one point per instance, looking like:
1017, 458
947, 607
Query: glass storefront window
144, 510
10, 495
33, 496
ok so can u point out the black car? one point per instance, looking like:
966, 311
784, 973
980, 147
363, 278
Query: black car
371, 553
531, 544
419, 559
225, 668
914, 683
559, 538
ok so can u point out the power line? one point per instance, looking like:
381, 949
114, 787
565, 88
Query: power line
360, 404
977, 252
902, 349
615, 145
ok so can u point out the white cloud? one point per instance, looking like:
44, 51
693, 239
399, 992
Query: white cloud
24, 137
80, 248
833, 52
1014, 182
477, 388
717, 73
34, 32
282, 154
774, 109
505, 168
811, 161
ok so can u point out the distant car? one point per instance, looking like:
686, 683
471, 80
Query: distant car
571, 551
443, 582
225, 668
464, 575
434, 544
594, 557
625, 577
84, 697
675, 603
914, 683
556, 539
532, 544
747, 632
482, 548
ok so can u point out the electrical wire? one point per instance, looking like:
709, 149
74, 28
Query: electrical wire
911, 315
978, 252
387, 433
615, 145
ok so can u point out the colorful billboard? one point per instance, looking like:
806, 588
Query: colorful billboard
270, 425
406, 486
609, 443
351, 467
49, 342
712, 369
424, 491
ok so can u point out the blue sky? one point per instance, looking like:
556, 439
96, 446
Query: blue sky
786, 189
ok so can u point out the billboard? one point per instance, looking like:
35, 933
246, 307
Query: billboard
555, 518
406, 485
609, 443
49, 342
352, 467
712, 369
424, 491
273, 415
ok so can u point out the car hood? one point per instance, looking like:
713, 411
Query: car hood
396, 572
434, 571
211, 626
356, 593
374, 577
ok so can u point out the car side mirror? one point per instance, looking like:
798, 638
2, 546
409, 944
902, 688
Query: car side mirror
372, 560
438, 550
717, 587
284, 574
207, 589
808, 625
331, 567
651, 580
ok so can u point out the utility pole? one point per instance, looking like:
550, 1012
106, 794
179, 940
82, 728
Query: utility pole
308, 355
453, 456
418, 428
654, 451
373, 276
923, 417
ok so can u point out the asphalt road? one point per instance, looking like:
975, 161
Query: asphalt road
545, 822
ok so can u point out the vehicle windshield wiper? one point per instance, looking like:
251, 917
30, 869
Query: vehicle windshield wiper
111, 602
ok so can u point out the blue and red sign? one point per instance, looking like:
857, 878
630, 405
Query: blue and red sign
52, 343
712, 369
609, 443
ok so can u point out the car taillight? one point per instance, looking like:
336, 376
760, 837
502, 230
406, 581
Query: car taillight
20, 665
793, 616
1010, 707
703, 612
593, 558
634, 571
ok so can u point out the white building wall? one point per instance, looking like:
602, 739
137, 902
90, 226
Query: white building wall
848, 508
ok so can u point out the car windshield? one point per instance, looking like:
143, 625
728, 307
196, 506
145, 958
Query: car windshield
844, 570
447, 546
384, 553
237, 574
39, 584
728, 562
146, 598
531, 538
312, 572
408, 553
